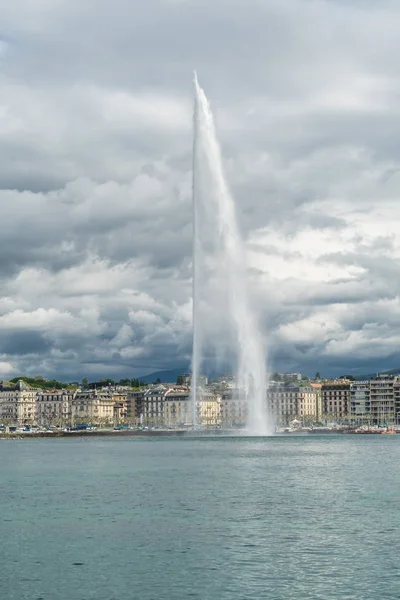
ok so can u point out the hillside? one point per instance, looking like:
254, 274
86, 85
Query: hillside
164, 376
370, 375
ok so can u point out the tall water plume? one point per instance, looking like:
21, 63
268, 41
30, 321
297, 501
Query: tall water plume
224, 324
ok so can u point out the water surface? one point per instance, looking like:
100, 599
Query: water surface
213, 519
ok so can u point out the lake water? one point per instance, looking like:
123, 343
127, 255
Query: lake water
211, 519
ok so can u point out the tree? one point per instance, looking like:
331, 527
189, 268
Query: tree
276, 377
107, 381
158, 380
317, 375
39, 382
179, 380
85, 382
135, 383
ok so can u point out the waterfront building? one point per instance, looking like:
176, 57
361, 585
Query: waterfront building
177, 407
53, 407
396, 391
120, 405
134, 407
93, 406
360, 406
382, 399
308, 404
283, 402
17, 403
318, 390
289, 401
208, 408
153, 405
233, 409
336, 399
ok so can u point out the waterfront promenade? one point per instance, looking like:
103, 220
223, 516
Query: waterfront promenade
159, 433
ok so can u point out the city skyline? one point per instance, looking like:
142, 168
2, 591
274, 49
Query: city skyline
289, 400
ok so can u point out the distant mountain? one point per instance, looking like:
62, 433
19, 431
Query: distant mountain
370, 375
170, 376
164, 376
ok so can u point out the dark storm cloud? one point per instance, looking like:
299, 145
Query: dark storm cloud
20, 343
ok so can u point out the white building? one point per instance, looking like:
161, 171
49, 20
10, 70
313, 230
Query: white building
177, 407
233, 409
17, 404
93, 406
54, 406
288, 401
153, 406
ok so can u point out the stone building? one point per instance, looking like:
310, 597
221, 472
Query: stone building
53, 407
336, 400
120, 398
153, 406
233, 409
177, 407
289, 401
208, 409
17, 404
318, 389
93, 406
134, 407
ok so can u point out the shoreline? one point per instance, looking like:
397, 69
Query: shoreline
95, 433
172, 433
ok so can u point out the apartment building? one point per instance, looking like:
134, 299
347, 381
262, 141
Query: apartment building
384, 402
53, 406
153, 406
17, 403
336, 399
360, 405
208, 409
178, 407
233, 409
93, 406
288, 401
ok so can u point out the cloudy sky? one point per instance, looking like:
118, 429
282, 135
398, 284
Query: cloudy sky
95, 178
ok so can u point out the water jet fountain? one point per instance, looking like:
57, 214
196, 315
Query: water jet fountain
220, 288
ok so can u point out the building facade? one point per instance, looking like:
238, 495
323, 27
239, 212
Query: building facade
17, 404
53, 407
318, 390
233, 409
383, 406
178, 407
153, 406
134, 407
336, 400
120, 399
289, 402
208, 409
360, 406
93, 406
